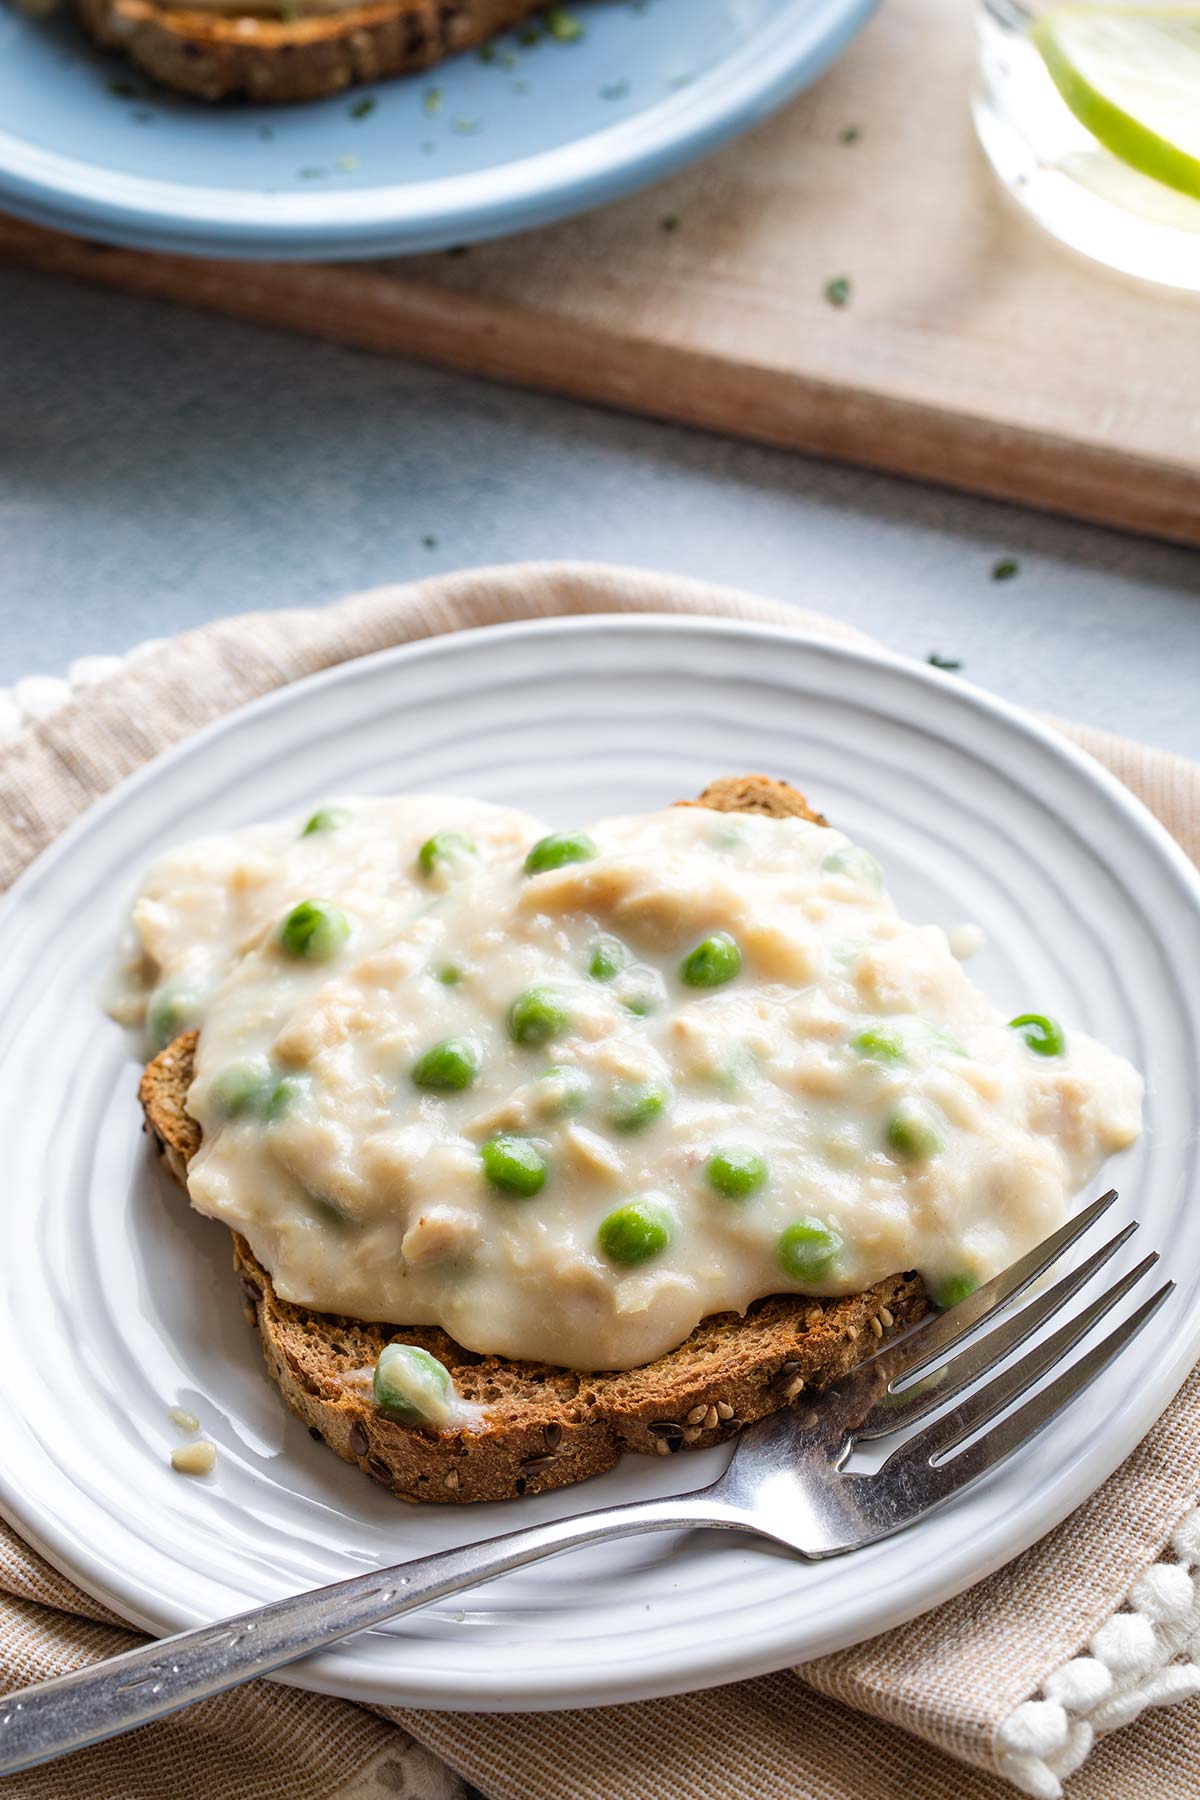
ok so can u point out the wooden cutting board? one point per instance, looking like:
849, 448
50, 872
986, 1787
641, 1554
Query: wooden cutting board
973, 350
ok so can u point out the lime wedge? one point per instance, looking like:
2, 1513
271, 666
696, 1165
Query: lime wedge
1131, 75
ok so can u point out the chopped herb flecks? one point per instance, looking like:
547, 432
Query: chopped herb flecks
346, 163
486, 52
849, 134
669, 222
313, 174
362, 109
433, 100
465, 127
1005, 569
614, 90
564, 25
429, 541
837, 291
942, 662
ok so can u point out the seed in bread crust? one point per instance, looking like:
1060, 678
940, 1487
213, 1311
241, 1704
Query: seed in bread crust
552, 1433
534, 1465
360, 1443
697, 1413
724, 1410
378, 1469
668, 1431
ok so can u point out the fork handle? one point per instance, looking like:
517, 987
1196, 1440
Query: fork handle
118, 1695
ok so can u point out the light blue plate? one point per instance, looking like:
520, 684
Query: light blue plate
471, 150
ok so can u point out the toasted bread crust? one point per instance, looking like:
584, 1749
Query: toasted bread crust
223, 57
546, 1427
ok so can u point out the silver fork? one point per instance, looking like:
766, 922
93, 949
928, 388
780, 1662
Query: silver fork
785, 1483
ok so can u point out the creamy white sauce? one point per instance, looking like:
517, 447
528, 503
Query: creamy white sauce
366, 1194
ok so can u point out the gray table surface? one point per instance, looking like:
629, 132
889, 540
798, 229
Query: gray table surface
159, 468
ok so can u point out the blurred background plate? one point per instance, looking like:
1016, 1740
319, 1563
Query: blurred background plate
469, 150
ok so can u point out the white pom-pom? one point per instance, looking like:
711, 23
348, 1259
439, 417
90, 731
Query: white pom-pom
86, 671
1080, 1684
37, 696
1185, 1541
1035, 1728
1164, 1593
10, 716
1029, 1775
1127, 1643
1076, 1750
1178, 1681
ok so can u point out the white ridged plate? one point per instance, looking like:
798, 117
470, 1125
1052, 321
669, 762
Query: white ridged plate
117, 1303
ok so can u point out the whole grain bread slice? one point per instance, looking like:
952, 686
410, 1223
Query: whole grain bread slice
545, 1427
225, 56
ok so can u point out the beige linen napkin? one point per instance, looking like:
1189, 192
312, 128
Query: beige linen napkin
1092, 1628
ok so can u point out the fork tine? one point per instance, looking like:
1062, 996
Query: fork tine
945, 1330
898, 1409
900, 1494
982, 1405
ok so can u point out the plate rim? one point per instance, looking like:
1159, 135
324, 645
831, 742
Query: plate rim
66, 193
693, 1667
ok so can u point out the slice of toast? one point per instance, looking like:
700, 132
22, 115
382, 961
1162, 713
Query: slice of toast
546, 1427
213, 55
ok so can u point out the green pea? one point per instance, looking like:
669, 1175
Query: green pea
607, 957
853, 861
240, 1087
449, 847
172, 1008
515, 1165
714, 961
560, 848
411, 1385
449, 1066
954, 1289
1041, 1033
736, 1171
537, 1015
289, 1092
879, 1044
635, 1232
315, 930
637, 1104
807, 1250
449, 974
561, 1090
911, 1132
327, 818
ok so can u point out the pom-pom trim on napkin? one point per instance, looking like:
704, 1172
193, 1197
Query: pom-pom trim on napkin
1146, 1655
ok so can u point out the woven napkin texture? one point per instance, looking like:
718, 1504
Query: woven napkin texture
962, 1703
